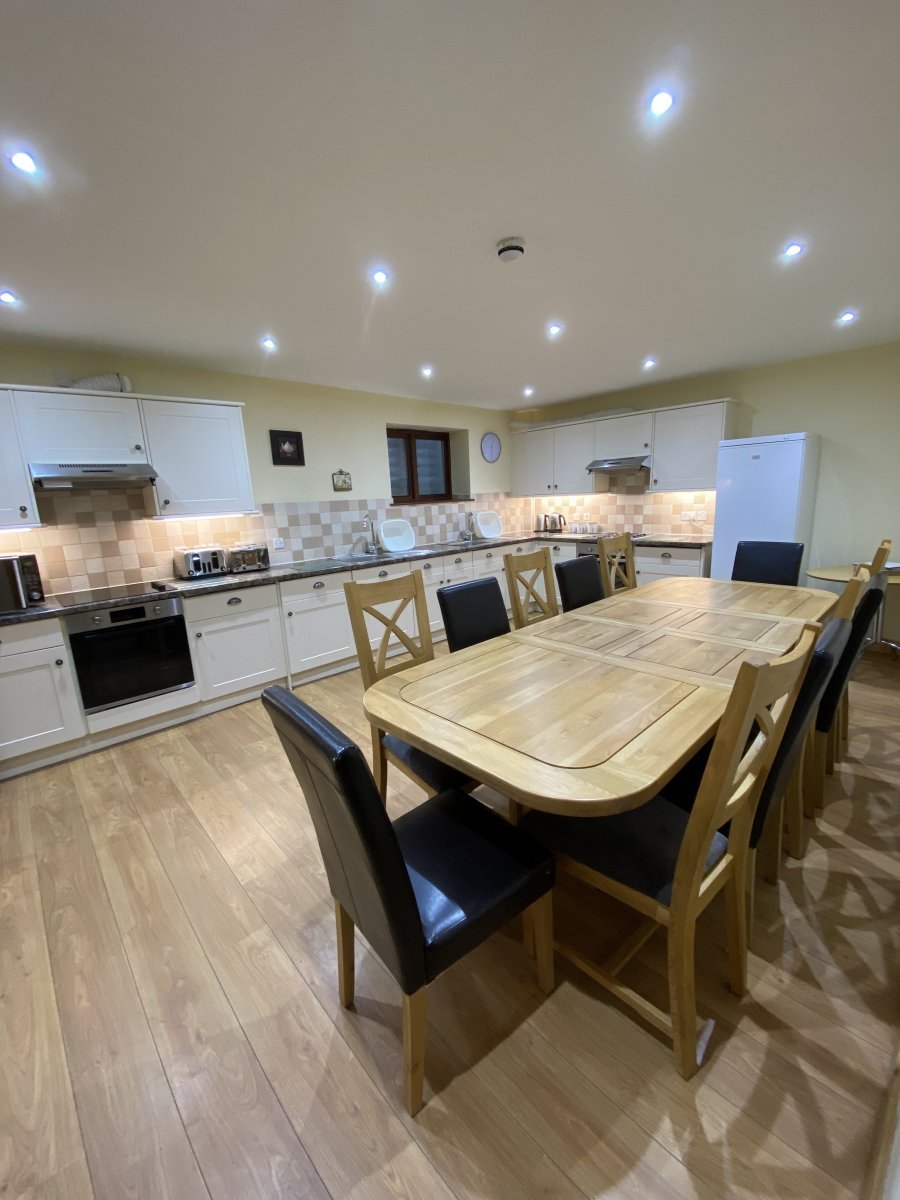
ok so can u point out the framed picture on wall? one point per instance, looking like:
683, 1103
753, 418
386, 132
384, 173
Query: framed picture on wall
287, 448
341, 481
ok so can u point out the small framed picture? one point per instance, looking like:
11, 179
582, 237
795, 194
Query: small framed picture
341, 481
287, 448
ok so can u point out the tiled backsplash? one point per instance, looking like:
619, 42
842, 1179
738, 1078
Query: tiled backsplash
99, 539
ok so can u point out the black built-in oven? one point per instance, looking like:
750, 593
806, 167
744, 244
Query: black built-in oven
130, 653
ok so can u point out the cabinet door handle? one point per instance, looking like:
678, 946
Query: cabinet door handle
23, 509
318, 584
489, 554
199, 635
519, 551
556, 549
426, 566
656, 481
646, 445
665, 554
457, 560
59, 662
138, 446
290, 614
382, 574
235, 600
165, 502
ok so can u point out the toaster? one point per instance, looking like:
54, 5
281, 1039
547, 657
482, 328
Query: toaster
248, 557
200, 561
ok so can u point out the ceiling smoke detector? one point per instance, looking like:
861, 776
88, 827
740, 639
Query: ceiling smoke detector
511, 249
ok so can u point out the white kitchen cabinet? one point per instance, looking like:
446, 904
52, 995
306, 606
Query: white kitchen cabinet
553, 461
488, 564
39, 696
623, 437
74, 427
236, 640
316, 622
17, 505
199, 451
662, 562
686, 445
432, 575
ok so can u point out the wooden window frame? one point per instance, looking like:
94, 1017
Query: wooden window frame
409, 437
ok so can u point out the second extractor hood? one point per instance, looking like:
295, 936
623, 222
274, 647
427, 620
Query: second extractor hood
58, 477
608, 466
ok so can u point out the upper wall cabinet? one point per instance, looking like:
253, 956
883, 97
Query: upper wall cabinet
552, 462
17, 505
199, 451
686, 445
59, 427
623, 437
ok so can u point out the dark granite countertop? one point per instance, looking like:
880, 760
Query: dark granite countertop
317, 566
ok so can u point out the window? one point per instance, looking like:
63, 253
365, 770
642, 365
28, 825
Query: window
420, 465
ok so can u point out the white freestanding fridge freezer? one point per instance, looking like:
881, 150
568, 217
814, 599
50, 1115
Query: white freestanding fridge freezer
765, 492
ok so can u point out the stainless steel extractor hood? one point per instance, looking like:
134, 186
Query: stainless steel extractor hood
57, 477
609, 465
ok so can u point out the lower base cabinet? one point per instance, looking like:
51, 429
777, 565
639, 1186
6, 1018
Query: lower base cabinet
652, 562
39, 697
237, 650
316, 623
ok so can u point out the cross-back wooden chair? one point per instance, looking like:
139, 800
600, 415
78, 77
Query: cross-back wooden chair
668, 864
389, 603
532, 592
616, 556
841, 735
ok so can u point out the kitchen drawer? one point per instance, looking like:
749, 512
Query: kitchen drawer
432, 569
488, 559
669, 560
33, 635
518, 548
315, 585
561, 551
230, 603
380, 571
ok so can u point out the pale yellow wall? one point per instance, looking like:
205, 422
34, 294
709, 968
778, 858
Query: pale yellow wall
851, 399
340, 428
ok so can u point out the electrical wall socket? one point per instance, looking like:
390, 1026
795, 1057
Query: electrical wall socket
277, 543
701, 514
687, 516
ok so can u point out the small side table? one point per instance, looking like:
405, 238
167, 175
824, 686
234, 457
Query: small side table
842, 574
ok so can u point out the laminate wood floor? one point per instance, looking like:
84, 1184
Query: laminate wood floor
169, 1021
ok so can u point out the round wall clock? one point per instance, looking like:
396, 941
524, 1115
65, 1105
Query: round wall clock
490, 447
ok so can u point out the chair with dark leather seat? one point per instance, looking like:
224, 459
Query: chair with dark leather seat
423, 890
820, 762
580, 581
473, 612
667, 864
392, 608
768, 562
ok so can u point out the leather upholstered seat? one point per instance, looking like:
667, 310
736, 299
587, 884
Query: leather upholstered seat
424, 890
473, 612
768, 562
580, 581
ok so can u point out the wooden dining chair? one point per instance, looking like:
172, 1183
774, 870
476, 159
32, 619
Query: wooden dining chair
423, 890
529, 579
616, 555
389, 604
668, 864
841, 737
820, 757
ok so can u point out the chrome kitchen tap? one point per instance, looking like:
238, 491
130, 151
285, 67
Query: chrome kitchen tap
369, 531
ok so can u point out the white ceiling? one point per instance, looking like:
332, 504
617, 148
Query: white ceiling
218, 169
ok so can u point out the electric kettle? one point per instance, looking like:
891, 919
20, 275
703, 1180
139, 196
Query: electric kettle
556, 523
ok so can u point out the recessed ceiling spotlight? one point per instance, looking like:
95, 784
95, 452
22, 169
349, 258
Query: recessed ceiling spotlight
23, 162
792, 250
527, 392
380, 277
661, 103
847, 317
426, 371
554, 329
9, 298
268, 343
648, 364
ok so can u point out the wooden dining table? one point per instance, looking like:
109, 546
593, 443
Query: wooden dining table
593, 711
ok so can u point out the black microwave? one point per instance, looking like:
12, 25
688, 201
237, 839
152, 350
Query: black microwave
20, 582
